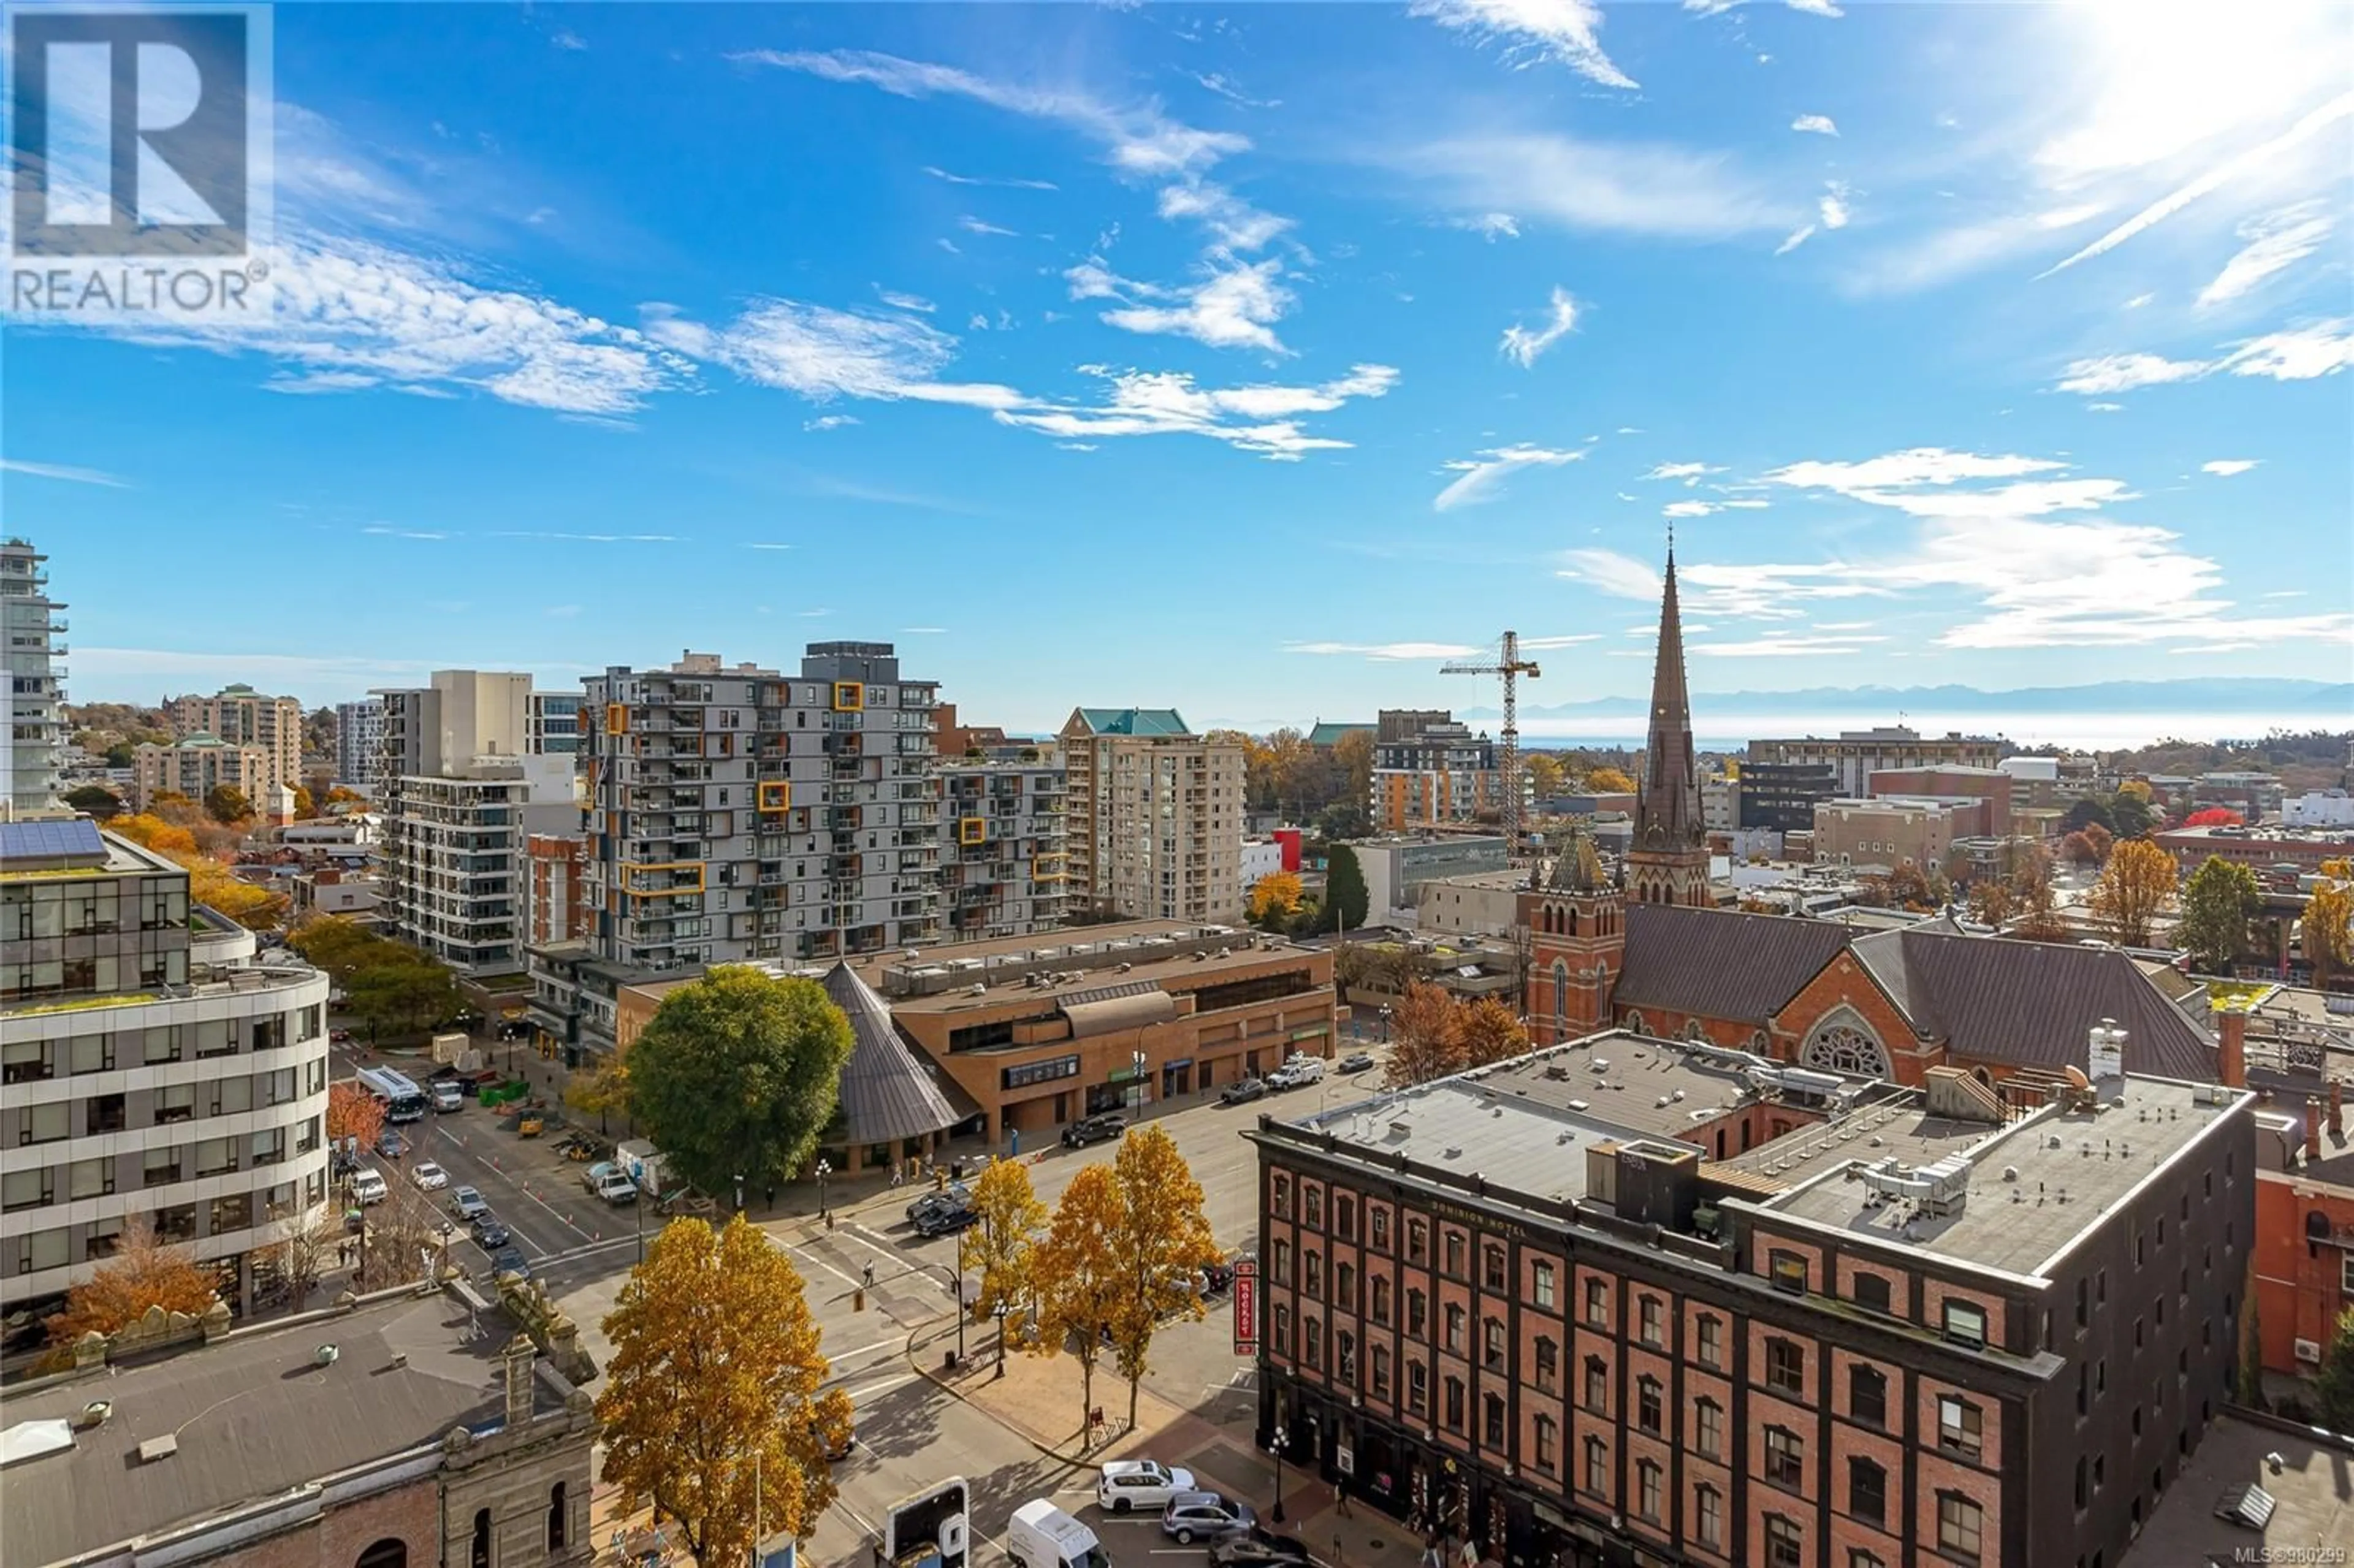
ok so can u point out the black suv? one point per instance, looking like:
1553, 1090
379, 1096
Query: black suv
941, 1214
1094, 1130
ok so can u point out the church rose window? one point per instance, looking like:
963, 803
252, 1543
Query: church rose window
1843, 1048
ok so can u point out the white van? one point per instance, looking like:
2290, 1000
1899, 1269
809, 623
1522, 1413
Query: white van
1041, 1535
367, 1186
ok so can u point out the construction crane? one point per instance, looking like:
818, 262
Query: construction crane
1511, 667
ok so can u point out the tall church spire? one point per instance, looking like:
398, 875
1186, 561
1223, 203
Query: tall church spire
1668, 863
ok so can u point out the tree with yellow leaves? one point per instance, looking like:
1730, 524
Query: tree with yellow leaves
602, 1090
1490, 1032
1609, 781
1076, 1274
142, 1273
714, 1408
2327, 928
998, 1248
1163, 1243
2136, 886
1274, 899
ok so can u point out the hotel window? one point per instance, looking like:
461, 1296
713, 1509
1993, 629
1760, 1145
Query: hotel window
1381, 1300
1378, 1223
1455, 1250
1381, 1360
1282, 1254
1597, 1385
1597, 1466
1708, 1429
1958, 1425
1548, 1373
1418, 1314
1492, 1350
1311, 1340
1958, 1522
1867, 1396
1454, 1321
1872, 1292
1283, 1329
1311, 1272
1344, 1355
1785, 1457
1857, 1557
1786, 1367
1311, 1205
1651, 1314
1282, 1197
1782, 1548
1646, 1490
1547, 1434
1344, 1216
1710, 1335
1344, 1286
1455, 1404
1966, 1323
1597, 1303
1542, 1272
1789, 1273
1867, 1491
1493, 1276
1708, 1517
1417, 1387
1417, 1241
1650, 1408
1493, 1408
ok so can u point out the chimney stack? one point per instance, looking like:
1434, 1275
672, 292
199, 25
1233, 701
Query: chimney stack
2337, 1111
2231, 1053
519, 1356
2312, 1130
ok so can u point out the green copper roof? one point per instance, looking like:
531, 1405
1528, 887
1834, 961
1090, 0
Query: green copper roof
1134, 721
1330, 733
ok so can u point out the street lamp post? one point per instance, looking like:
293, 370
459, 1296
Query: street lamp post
824, 1170
739, 1192
959, 1292
1136, 1061
1275, 1447
999, 1312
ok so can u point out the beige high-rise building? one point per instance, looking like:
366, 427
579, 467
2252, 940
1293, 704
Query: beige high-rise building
196, 765
240, 715
1156, 817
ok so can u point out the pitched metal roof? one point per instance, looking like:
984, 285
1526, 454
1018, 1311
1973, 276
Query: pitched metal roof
888, 1092
1329, 732
1721, 963
1133, 721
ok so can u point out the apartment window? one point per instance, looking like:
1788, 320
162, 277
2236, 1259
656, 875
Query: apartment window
1492, 1353
24, 1060
90, 1178
43, 1123
1708, 1517
1966, 1324
1786, 1367
1418, 1314
1648, 1405
1857, 1557
1344, 1286
1542, 1272
28, 1189
1311, 1205
105, 1113
1872, 1292
231, 1096
161, 1044
1650, 1316
1455, 1251
1311, 1340
93, 1053
160, 1167
1958, 1425
1547, 1434
1456, 1318
1282, 1255
234, 1212
1708, 1429
1597, 1385
1867, 1396
1417, 1387
1455, 1404
1597, 1466
1417, 1241
1379, 1224
1867, 1491
1782, 1548
1709, 1330
1493, 1272
1786, 1456
1789, 1273
1597, 1303
1381, 1300
1283, 1329
1282, 1197
1646, 1490
1548, 1370
1381, 1368
1344, 1355
1492, 1409
1958, 1523
2083, 1304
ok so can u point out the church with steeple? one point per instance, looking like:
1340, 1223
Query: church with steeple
1668, 863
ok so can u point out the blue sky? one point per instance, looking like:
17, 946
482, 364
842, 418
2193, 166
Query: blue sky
1249, 358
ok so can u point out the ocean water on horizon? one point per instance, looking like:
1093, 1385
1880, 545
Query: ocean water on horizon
2090, 731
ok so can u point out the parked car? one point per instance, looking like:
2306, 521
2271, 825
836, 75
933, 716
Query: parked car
1356, 1061
1260, 1550
467, 1204
618, 1188
1094, 1130
1126, 1484
391, 1145
368, 1186
510, 1260
430, 1177
596, 1175
1243, 1090
941, 1214
1206, 1516
489, 1234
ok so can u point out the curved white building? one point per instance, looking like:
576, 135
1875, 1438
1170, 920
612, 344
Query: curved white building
150, 1068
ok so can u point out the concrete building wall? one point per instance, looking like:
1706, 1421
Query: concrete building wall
32, 696
1157, 825
1883, 834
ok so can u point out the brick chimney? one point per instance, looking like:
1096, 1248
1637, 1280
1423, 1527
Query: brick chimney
2312, 1130
2231, 1051
518, 1358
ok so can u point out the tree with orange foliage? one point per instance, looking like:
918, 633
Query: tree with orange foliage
353, 1112
2327, 929
151, 832
2136, 884
1490, 1032
142, 1273
1427, 1028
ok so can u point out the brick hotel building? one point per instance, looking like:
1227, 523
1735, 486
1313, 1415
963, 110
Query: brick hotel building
1525, 1305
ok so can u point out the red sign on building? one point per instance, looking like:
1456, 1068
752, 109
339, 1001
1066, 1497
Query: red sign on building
1245, 1307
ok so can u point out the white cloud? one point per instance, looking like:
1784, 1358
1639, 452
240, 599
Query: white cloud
1233, 307
1570, 640
2299, 354
972, 225
829, 422
922, 630
1795, 238
1211, 82
1689, 509
1018, 185
60, 470
2276, 242
2112, 373
565, 38
1691, 474
1263, 419
765, 545
1773, 645
1621, 576
1819, 125
1561, 31
2104, 408
2157, 212
1234, 223
1388, 651
1918, 466
899, 302
1832, 209
1484, 475
1489, 226
2227, 467
586, 538
387, 529
2138, 301
1623, 188
1525, 344
1815, 7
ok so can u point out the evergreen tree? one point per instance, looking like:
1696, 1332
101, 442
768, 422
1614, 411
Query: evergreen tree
1344, 890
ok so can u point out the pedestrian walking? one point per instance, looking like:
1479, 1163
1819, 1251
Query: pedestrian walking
1341, 1496
870, 1273
1431, 1556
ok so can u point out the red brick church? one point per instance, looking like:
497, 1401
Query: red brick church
1651, 952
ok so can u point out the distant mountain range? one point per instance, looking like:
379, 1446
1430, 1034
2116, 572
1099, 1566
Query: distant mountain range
2329, 703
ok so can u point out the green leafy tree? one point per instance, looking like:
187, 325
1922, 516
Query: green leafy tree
2218, 901
1161, 1244
1343, 820
226, 803
1344, 890
2129, 812
2334, 1388
94, 800
2087, 808
409, 994
738, 1073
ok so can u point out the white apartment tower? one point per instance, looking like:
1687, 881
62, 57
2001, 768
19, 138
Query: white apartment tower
1156, 817
359, 744
34, 691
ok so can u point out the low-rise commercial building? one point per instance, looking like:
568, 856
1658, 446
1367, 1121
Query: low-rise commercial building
1883, 834
2319, 809
1395, 868
153, 1070
1855, 755
2259, 849
1478, 903
1555, 1310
